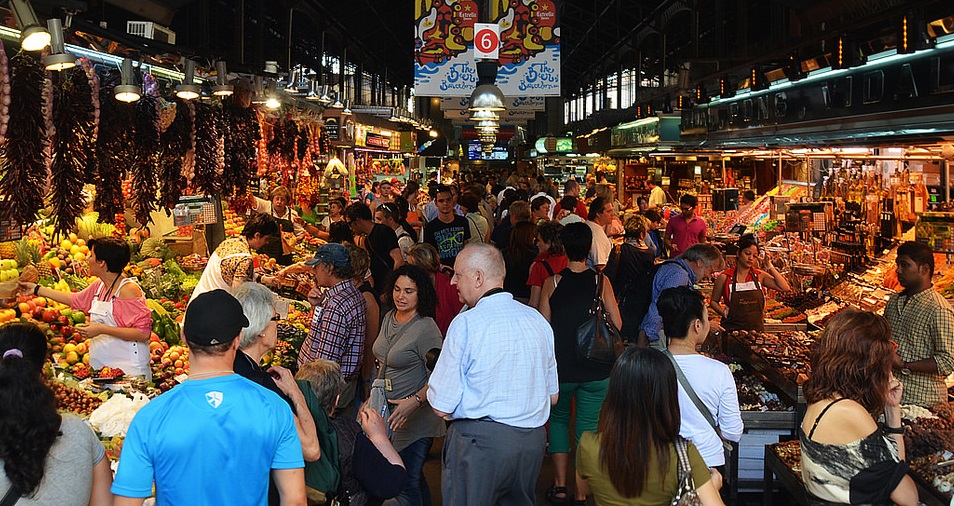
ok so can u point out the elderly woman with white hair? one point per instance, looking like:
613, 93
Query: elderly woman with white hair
260, 337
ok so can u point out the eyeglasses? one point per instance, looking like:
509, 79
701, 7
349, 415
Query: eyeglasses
894, 345
687, 208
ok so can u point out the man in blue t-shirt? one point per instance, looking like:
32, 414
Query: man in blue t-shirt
206, 441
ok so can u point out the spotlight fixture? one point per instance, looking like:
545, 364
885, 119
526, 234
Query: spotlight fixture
337, 104
272, 101
33, 35
292, 85
188, 90
258, 90
314, 91
127, 91
324, 98
221, 88
487, 97
484, 115
347, 108
58, 59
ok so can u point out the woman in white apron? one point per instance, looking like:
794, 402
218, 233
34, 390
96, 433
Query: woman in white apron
119, 320
231, 263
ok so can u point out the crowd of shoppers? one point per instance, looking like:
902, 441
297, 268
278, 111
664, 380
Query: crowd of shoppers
467, 312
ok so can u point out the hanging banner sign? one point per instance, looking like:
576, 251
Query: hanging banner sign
443, 36
511, 103
529, 47
465, 114
486, 41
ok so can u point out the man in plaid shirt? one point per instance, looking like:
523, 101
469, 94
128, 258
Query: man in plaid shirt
338, 323
922, 323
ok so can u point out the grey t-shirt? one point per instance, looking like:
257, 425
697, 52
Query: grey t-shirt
68, 476
403, 348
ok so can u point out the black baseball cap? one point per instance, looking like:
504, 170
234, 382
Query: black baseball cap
212, 318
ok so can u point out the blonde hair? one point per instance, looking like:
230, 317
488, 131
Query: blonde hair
360, 261
425, 256
325, 379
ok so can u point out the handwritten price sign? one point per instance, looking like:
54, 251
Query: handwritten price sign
486, 41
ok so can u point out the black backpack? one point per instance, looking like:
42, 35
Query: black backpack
635, 301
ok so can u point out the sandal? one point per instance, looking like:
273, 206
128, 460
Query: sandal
553, 492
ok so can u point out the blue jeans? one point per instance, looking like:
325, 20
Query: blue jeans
415, 491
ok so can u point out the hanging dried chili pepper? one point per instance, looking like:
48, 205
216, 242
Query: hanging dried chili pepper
175, 142
74, 122
115, 150
25, 174
145, 168
207, 134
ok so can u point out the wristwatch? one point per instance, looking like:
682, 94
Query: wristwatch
904, 369
893, 430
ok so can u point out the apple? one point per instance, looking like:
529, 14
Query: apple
49, 316
64, 320
37, 314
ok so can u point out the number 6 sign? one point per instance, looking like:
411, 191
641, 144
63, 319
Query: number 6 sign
486, 41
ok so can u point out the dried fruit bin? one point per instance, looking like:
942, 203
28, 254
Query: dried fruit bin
740, 350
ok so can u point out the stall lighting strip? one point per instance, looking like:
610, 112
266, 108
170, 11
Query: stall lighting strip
875, 60
105, 58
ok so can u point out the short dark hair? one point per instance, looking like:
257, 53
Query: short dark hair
596, 207
918, 252
652, 215
211, 350
747, 241
261, 224
577, 238
340, 232
113, 250
749, 195
689, 200
358, 211
442, 188
426, 293
679, 306
570, 184
469, 201
568, 202
549, 232
538, 203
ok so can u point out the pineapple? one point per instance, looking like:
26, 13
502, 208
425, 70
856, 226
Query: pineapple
8, 250
28, 253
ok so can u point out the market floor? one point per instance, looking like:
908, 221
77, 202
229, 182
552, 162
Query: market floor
432, 472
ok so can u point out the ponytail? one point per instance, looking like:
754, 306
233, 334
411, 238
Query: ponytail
29, 422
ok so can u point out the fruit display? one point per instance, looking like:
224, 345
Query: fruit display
167, 364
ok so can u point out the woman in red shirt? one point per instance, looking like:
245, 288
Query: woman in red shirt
741, 289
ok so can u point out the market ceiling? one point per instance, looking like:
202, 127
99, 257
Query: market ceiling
597, 35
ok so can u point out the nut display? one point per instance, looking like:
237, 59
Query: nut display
73, 400
787, 351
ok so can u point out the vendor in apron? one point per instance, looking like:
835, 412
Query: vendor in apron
737, 293
291, 225
119, 320
231, 264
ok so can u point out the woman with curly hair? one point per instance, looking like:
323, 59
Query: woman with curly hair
847, 457
406, 349
47, 459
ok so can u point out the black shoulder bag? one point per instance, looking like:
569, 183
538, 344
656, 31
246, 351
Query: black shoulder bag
597, 339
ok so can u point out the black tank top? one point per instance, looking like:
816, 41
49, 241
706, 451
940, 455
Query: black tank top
570, 306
